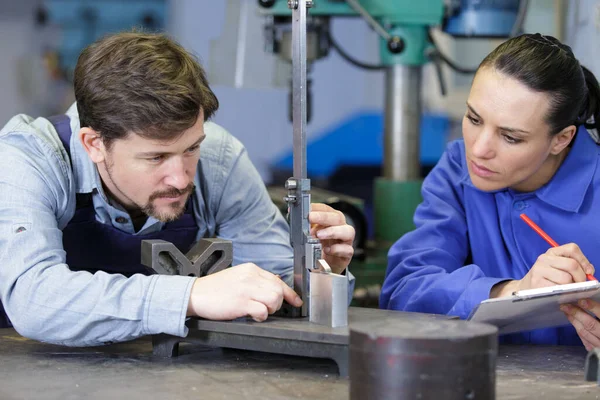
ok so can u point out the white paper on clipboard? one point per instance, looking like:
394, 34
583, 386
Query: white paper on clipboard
534, 308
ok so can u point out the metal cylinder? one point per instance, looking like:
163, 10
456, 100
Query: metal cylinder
422, 358
402, 123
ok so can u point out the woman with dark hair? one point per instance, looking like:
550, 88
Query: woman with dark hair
525, 149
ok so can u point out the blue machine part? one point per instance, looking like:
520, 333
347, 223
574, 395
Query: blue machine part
359, 141
84, 21
483, 18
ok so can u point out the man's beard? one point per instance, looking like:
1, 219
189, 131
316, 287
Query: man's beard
176, 209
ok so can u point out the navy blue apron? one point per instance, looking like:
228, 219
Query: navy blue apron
93, 246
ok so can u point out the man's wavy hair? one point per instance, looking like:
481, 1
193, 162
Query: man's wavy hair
142, 83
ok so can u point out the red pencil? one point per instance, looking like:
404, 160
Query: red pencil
548, 239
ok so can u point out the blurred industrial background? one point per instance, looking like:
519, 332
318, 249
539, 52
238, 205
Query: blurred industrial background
242, 45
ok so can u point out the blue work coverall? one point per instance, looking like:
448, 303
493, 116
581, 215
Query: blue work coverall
467, 240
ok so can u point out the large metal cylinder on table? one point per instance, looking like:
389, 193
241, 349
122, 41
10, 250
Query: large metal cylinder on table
423, 359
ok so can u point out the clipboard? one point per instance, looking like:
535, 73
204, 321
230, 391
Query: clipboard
533, 308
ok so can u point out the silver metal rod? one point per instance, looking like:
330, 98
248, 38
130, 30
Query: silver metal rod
299, 185
240, 53
370, 20
402, 123
299, 88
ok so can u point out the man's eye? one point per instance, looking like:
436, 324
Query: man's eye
156, 159
193, 148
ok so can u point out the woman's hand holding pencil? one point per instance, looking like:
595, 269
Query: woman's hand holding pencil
566, 264
578, 255
557, 266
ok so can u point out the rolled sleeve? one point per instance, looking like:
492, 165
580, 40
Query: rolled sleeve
166, 305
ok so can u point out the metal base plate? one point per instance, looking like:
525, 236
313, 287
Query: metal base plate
292, 336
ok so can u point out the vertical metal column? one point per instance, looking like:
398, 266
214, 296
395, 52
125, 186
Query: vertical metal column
402, 123
298, 199
299, 85
323, 292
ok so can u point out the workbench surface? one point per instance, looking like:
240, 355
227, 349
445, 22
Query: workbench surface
33, 370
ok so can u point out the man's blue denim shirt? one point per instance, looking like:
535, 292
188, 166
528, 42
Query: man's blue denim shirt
47, 301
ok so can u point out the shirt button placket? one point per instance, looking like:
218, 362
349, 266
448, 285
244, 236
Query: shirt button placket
519, 205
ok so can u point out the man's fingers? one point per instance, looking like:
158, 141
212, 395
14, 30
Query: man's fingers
269, 276
327, 218
288, 293
573, 251
290, 296
320, 207
257, 311
340, 250
345, 233
272, 299
274, 279
314, 228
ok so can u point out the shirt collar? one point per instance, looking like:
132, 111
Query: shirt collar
87, 179
567, 188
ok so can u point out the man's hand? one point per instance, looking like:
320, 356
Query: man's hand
243, 290
586, 325
336, 236
558, 266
